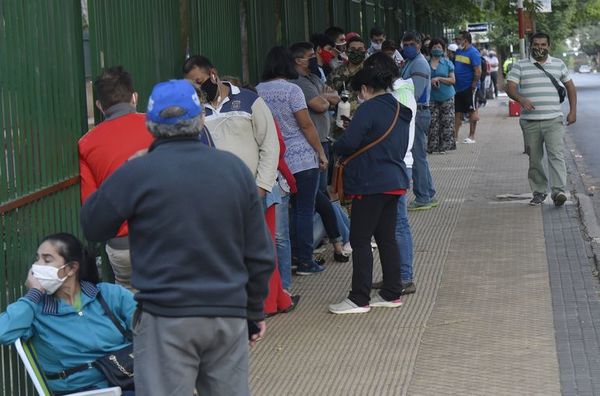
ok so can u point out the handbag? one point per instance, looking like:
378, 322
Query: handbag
337, 181
562, 92
117, 366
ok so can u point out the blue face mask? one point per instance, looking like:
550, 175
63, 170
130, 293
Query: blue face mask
409, 52
437, 53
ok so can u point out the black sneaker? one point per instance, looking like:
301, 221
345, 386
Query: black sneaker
538, 199
559, 198
408, 288
340, 257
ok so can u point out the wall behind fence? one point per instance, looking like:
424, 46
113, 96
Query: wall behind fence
42, 114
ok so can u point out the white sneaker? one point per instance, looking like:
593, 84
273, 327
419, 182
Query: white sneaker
373, 245
378, 301
348, 307
469, 141
347, 249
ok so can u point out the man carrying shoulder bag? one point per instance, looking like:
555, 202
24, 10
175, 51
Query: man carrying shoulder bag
533, 82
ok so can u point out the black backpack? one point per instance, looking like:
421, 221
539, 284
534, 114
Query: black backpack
484, 68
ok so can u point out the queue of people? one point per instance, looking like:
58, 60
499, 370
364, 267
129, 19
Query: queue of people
208, 202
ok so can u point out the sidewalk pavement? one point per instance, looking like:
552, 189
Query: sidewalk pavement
482, 321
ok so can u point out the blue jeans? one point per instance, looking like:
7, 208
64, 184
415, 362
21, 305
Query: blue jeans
422, 181
343, 221
303, 209
404, 239
282, 240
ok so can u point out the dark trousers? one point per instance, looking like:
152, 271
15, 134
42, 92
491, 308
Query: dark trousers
303, 211
374, 215
323, 205
325, 209
494, 76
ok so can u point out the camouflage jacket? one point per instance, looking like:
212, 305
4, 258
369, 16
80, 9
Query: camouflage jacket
337, 79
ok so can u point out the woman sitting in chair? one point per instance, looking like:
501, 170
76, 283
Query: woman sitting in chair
62, 315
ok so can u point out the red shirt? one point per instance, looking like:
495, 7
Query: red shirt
393, 192
106, 147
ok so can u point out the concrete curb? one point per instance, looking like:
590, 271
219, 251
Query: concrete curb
591, 227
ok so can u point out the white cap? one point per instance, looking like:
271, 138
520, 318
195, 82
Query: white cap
452, 47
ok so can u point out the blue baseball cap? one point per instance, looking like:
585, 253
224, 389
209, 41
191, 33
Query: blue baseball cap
173, 93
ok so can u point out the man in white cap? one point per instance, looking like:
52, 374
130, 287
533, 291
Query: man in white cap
452, 51
494, 65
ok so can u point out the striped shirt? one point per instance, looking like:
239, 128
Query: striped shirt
537, 87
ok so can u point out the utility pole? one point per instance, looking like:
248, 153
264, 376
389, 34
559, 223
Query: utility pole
521, 28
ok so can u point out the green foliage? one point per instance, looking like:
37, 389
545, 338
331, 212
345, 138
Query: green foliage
588, 11
560, 23
453, 13
589, 37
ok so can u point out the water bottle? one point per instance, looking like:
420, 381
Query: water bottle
343, 108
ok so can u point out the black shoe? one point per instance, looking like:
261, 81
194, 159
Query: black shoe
559, 198
295, 301
538, 199
320, 259
408, 288
340, 257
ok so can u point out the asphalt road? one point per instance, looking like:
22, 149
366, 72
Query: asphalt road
585, 133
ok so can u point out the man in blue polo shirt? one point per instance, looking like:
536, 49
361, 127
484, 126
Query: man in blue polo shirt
417, 69
467, 71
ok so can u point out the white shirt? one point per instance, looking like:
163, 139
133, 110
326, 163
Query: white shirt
404, 92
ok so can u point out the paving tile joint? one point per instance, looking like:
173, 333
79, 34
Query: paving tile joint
589, 220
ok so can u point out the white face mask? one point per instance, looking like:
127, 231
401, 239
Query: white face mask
376, 46
47, 275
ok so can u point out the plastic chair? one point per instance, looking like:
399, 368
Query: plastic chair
27, 355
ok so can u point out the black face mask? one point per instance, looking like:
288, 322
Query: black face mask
210, 89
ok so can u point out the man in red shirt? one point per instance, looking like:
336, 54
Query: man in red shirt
107, 146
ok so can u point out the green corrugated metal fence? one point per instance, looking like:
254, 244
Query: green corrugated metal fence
42, 113
368, 17
392, 22
339, 11
410, 22
264, 32
294, 21
380, 13
318, 11
355, 18
43, 94
142, 35
218, 38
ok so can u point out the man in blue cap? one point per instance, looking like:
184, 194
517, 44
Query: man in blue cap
201, 273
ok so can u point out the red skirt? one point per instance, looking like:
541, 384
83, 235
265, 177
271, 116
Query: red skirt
278, 299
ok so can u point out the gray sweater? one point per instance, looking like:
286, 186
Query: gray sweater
199, 242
